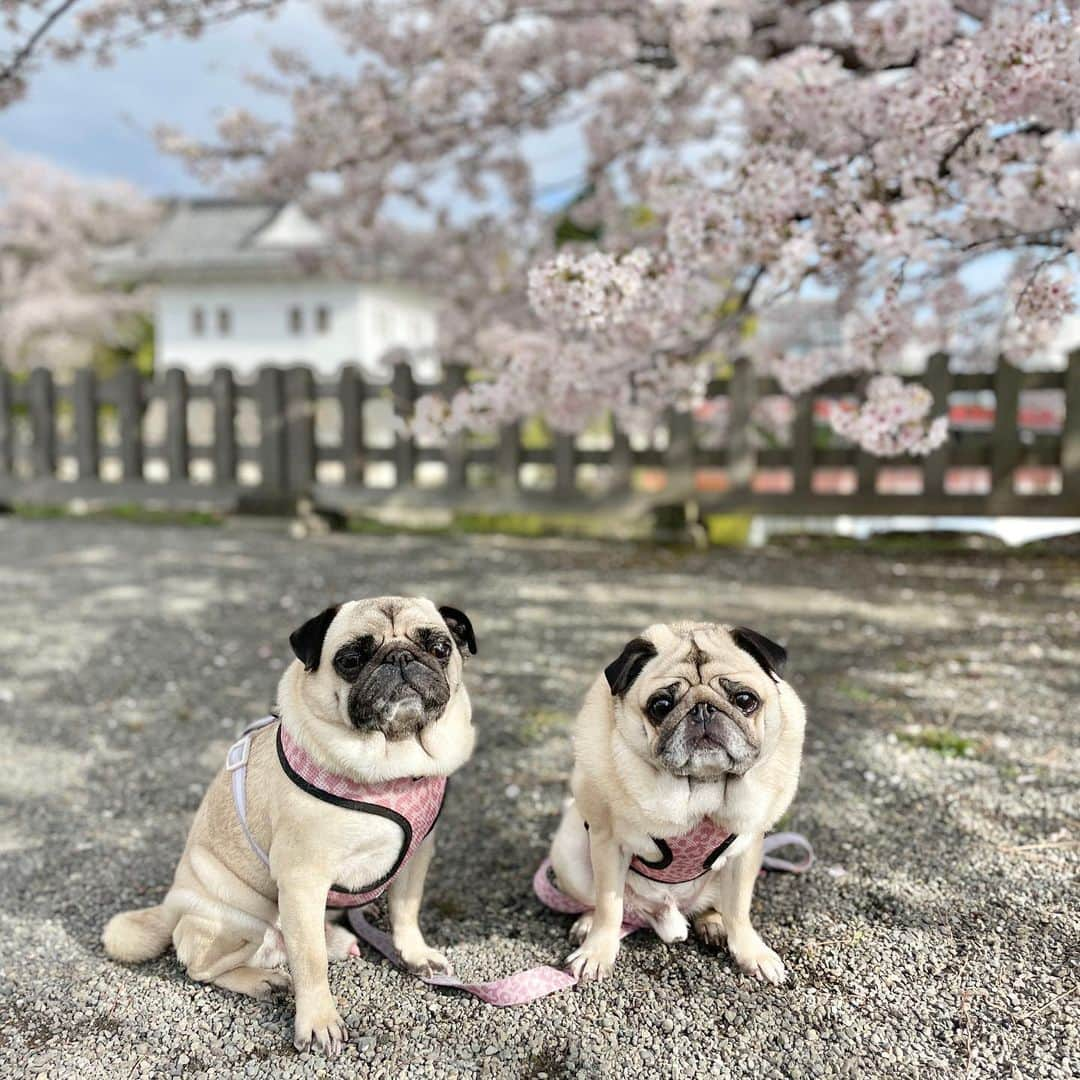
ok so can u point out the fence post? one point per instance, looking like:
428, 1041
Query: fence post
938, 382
563, 454
1006, 437
42, 402
622, 460
1070, 436
802, 445
866, 470
403, 390
7, 426
129, 408
300, 428
351, 394
456, 450
679, 458
271, 406
223, 393
508, 459
84, 401
742, 457
176, 425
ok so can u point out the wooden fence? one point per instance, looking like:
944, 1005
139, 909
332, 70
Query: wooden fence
235, 444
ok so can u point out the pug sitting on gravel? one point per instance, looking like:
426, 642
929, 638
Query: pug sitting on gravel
323, 806
687, 751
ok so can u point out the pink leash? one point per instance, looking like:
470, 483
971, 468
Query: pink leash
526, 986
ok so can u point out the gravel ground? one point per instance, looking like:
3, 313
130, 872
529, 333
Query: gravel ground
937, 935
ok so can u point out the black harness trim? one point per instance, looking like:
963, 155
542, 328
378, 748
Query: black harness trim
666, 857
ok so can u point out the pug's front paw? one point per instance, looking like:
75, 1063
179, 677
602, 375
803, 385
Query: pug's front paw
595, 958
757, 959
320, 1024
424, 960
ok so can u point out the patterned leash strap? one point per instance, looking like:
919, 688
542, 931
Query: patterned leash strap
524, 987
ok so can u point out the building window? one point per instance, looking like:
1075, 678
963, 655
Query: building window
198, 321
224, 321
322, 319
296, 319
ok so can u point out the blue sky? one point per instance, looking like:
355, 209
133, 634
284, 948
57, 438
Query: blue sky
97, 121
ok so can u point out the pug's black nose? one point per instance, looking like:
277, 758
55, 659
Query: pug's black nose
398, 656
703, 712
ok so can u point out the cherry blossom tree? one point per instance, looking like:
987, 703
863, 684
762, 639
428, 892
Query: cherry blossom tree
735, 155
54, 307
35, 30
891, 156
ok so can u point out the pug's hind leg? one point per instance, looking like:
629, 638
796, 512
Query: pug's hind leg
709, 926
258, 983
212, 955
669, 922
580, 930
340, 943
406, 893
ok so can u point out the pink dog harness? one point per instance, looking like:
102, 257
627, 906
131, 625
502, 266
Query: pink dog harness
413, 804
684, 858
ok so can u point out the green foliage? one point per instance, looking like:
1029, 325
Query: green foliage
852, 692
130, 512
108, 360
541, 724
533, 524
941, 740
568, 231
728, 530
535, 434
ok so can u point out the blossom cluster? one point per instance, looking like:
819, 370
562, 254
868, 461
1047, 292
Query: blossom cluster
894, 419
53, 229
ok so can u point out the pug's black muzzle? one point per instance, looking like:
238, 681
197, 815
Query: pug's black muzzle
399, 692
707, 737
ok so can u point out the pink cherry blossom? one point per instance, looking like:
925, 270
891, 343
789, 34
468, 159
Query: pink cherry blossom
54, 307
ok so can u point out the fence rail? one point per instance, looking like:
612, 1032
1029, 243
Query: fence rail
346, 443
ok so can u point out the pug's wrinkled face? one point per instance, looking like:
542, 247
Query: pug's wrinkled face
698, 699
386, 665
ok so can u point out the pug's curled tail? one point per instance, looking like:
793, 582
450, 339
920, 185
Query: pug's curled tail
136, 936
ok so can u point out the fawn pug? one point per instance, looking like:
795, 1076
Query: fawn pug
337, 801
686, 751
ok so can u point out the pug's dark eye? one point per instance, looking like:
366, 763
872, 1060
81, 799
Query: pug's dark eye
347, 663
660, 706
745, 701
441, 650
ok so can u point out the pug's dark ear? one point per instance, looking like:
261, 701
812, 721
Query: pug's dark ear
307, 642
457, 622
770, 656
622, 673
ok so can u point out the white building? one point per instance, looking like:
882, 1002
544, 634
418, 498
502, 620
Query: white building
248, 283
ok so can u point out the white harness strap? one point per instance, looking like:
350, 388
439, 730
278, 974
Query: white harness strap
236, 763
